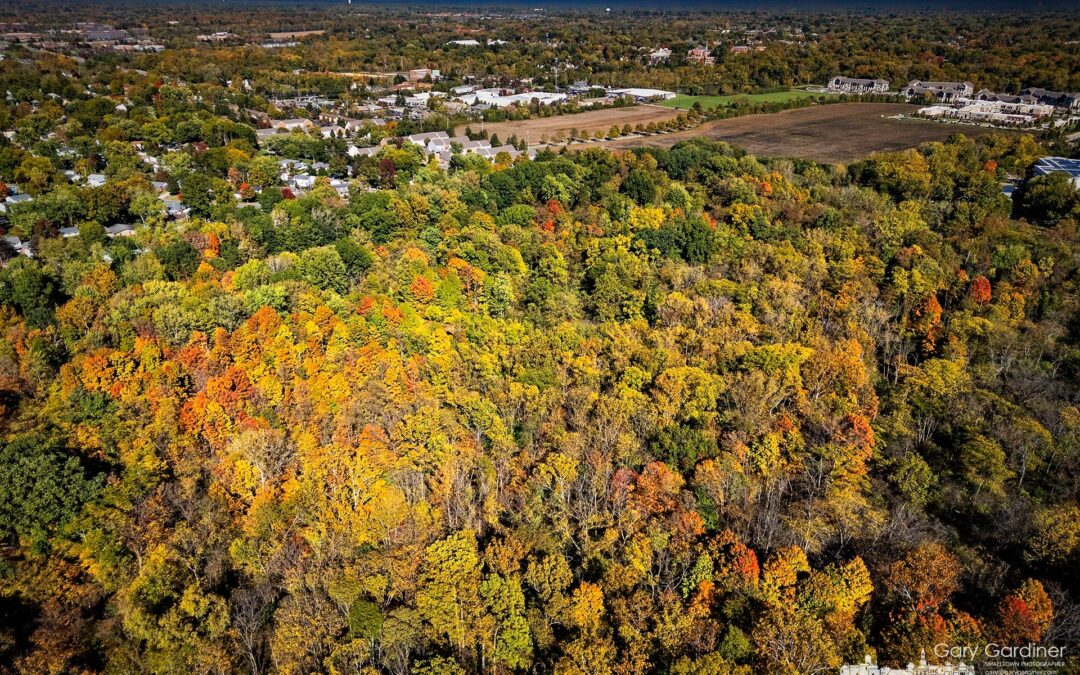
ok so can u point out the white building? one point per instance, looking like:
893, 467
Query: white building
868, 667
342, 187
641, 94
302, 181
422, 99
997, 113
500, 98
659, 55
354, 151
297, 123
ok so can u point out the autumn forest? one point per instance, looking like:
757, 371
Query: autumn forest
675, 410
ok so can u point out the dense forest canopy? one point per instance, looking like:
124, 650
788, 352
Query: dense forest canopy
681, 410
677, 410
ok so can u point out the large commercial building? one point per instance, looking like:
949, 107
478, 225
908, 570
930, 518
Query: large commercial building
1048, 165
943, 91
856, 85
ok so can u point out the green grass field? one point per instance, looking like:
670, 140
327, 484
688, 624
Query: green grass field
683, 101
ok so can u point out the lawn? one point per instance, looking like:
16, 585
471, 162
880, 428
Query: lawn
684, 101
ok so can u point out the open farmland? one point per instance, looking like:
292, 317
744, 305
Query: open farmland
549, 128
841, 132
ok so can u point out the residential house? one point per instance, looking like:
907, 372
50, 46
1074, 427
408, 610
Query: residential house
468, 146
173, 206
341, 186
20, 247
354, 151
443, 158
291, 166
153, 161
351, 125
120, 230
293, 124
302, 181
424, 138
659, 56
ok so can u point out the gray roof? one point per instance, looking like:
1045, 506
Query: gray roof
429, 136
1048, 165
859, 80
